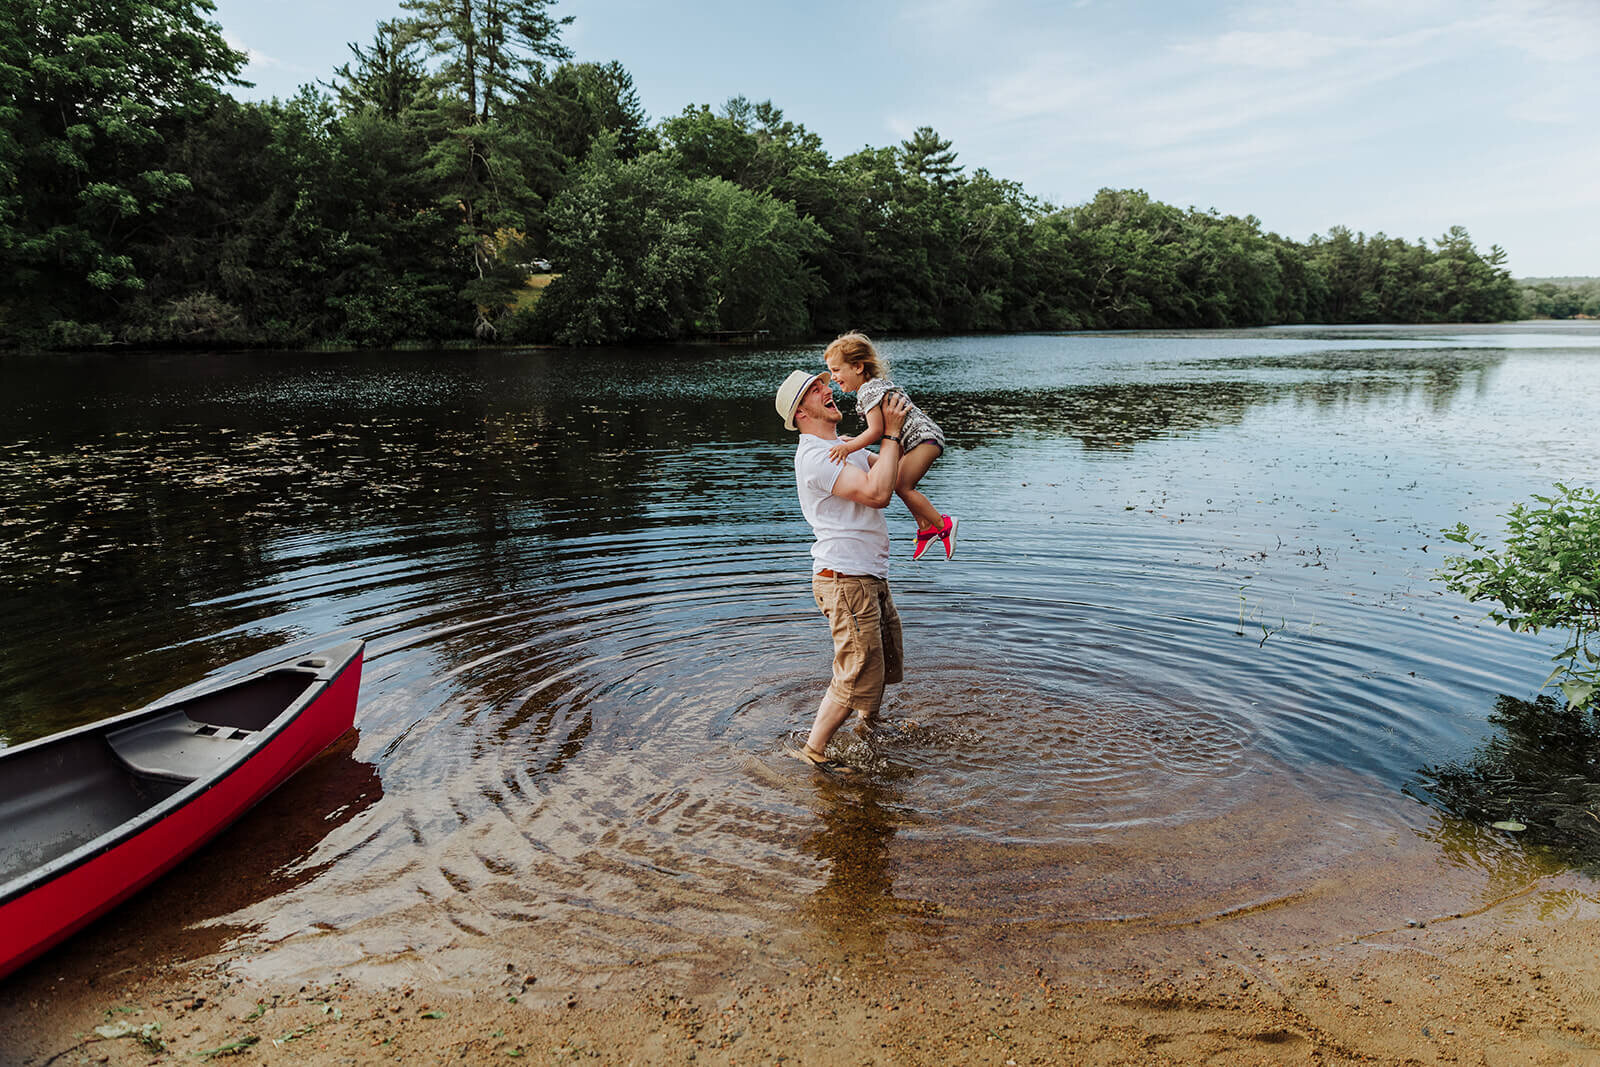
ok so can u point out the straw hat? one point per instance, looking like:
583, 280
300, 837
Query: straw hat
792, 391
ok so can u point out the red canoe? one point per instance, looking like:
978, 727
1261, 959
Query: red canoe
90, 816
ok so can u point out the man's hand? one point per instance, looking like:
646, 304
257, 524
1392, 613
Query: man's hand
895, 406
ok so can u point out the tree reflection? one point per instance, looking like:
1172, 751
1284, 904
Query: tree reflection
1217, 393
1540, 768
1112, 416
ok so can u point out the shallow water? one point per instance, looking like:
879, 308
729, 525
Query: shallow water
1187, 659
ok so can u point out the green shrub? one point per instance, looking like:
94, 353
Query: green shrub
1546, 577
65, 333
202, 318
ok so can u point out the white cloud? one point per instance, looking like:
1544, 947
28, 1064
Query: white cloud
899, 127
1274, 50
1045, 84
1562, 32
1197, 92
944, 19
253, 57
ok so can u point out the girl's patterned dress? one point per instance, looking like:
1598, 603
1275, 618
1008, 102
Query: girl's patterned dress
918, 427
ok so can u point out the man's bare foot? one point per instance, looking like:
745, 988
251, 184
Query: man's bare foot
807, 754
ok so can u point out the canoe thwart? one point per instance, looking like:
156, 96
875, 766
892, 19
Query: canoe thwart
176, 748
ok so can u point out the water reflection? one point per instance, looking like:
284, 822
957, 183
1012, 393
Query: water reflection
856, 826
1357, 375
123, 502
274, 848
1212, 394
1539, 768
1106, 416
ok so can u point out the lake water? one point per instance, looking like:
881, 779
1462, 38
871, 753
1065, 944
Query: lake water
1179, 678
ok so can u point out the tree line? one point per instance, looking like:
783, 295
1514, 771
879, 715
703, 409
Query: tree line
411, 196
1561, 298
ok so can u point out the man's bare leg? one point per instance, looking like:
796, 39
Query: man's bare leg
830, 716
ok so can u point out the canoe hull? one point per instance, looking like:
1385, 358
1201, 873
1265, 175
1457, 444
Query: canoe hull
43, 907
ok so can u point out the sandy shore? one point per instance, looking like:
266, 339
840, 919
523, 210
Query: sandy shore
1404, 941
1516, 983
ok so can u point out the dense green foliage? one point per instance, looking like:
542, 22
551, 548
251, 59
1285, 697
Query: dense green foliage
464, 146
1546, 577
1561, 298
92, 98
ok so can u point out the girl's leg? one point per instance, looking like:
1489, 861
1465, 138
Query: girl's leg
921, 508
913, 465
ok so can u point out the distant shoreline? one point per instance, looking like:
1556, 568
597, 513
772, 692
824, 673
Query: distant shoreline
453, 346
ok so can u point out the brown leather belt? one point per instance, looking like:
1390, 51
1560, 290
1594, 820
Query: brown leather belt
826, 573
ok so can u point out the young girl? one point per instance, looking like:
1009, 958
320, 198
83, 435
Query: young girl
857, 368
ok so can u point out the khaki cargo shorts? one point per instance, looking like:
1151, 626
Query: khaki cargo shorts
867, 653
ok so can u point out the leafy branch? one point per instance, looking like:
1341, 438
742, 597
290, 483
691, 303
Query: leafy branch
1546, 577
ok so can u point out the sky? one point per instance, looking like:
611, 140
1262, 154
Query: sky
1402, 117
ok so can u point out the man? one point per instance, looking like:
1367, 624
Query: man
844, 504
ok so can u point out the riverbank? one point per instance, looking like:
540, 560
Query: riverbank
1514, 983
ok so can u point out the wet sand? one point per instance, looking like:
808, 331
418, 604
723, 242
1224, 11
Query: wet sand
1513, 985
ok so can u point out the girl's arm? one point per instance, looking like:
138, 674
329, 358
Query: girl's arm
875, 488
874, 430
870, 435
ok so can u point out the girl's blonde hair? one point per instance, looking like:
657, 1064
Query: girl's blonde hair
855, 347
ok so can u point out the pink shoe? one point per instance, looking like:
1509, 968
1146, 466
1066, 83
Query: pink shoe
948, 536
924, 539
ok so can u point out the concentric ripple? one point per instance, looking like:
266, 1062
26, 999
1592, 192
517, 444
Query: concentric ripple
1188, 655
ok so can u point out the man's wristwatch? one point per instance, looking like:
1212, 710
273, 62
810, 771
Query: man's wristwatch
892, 437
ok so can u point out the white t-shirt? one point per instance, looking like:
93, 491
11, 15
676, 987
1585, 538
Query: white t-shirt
851, 538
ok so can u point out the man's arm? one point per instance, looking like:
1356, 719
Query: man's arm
876, 487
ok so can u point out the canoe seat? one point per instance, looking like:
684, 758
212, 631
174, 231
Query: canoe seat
175, 748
